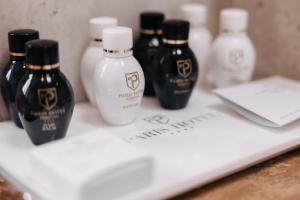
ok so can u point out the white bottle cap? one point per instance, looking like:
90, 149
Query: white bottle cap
117, 40
234, 20
195, 13
98, 24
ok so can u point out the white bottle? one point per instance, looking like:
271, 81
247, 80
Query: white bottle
119, 81
199, 37
94, 53
233, 54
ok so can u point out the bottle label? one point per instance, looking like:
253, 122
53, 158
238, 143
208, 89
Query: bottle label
132, 98
236, 59
132, 80
184, 68
183, 83
47, 98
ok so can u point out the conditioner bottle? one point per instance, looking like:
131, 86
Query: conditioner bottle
119, 79
15, 69
233, 54
45, 99
176, 70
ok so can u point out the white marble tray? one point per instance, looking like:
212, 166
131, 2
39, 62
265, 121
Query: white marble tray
192, 147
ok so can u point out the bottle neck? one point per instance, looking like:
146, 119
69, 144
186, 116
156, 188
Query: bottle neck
233, 33
16, 56
43, 69
118, 53
175, 43
41, 72
151, 32
96, 42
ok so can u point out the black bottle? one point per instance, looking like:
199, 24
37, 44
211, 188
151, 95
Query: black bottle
15, 69
45, 99
147, 45
175, 70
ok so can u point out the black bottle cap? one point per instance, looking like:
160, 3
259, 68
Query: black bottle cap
176, 30
42, 53
151, 20
18, 38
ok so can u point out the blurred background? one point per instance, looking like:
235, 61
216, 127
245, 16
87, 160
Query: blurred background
274, 29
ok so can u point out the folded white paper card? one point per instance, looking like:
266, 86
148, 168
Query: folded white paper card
272, 102
90, 167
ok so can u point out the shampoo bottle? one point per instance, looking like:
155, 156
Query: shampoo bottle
147, 45
119, 79
199, 36
45, 99
176, 70
15, 69
94, 53
233, 54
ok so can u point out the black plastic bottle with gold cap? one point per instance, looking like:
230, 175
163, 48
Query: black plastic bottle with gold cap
147, 45
175, 70
15, 69
45, 99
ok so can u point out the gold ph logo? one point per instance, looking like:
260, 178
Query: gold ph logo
157, 119
236, 56
132, 80
47, 97
184, 67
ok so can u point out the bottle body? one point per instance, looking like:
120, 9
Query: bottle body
233, 59
12, 74
90, 59
45, 102
119, 86
200, 43
145, 50
174, 76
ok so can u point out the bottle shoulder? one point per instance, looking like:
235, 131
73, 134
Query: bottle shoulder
175, 51
198, 33
92, 51
224, 42
146, 42
14, 69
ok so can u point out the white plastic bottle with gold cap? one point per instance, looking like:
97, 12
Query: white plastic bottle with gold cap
94, 53
118, 80
233, 54
199, 37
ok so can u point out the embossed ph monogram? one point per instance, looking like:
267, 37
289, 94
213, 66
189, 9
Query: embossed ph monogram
237, 56
47, 97
132, 80
157, 119
184, 67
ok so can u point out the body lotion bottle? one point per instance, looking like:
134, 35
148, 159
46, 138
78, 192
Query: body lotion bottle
94, 53
175, 70
199, 36
45, 98
15, 69
147, 45
233, 54
119, 80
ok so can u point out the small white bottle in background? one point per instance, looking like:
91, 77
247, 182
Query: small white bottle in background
199, 37
119, 81
233, 54
94, 53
